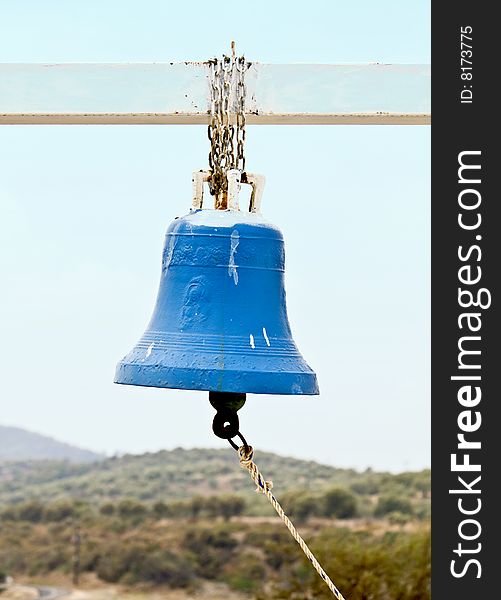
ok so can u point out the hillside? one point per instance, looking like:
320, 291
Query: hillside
166, 475
184, 521
181, 474
18, 444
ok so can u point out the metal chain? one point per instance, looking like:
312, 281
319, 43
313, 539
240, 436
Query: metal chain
227, 121
246, 454
241, 67
215, 128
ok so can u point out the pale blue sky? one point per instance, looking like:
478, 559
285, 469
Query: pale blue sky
84, 210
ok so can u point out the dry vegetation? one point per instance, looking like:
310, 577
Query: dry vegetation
152, 527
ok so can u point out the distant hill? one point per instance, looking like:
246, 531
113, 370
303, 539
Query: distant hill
181, 474
20, 445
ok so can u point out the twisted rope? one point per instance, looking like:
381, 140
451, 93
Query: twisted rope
246, 454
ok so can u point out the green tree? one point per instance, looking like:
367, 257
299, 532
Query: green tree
339, 503
142, 561
32, 511
232, 506
197, 504
161, 510
59, 511
9, 514
107, 509
212, 549
131, 509
393, 504
300, 505
225, 506
166, 568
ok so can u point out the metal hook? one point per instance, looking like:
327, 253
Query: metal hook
242, 439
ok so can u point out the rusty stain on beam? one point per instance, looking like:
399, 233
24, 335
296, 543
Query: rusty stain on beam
198, 119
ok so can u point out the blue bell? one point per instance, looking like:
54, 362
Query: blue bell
220, 321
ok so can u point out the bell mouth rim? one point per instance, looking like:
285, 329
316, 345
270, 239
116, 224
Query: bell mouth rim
200, 389
274, 383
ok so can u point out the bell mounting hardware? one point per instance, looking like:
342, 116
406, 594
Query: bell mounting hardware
220, 322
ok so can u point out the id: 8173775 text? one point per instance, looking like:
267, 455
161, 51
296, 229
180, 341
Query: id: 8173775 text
466, 64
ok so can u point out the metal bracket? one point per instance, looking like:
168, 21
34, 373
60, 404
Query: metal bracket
235, 179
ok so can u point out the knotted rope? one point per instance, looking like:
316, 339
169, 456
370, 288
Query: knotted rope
246, 454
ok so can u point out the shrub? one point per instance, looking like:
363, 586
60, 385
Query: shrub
107, 509
164, 567
60, 511
131, 509
225, 506
212, 549
300, 505
197, 539
9, 514
196, 506
366, 487
278, 546
246, 574
161, 510
139, 562
398, 518
394, 566
339, 503
30, 511
393, 504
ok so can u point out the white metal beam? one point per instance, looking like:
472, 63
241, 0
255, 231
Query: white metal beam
178, 93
